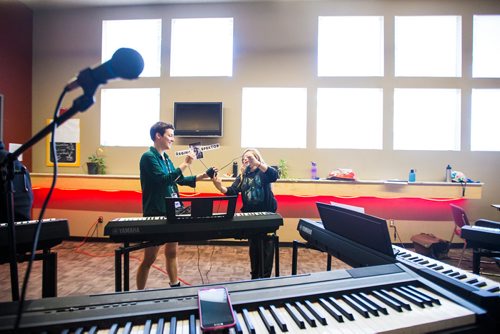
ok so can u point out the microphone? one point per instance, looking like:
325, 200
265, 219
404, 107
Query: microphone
125, 63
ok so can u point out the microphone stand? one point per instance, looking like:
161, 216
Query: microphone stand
80, 104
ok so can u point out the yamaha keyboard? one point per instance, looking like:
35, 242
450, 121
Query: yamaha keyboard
241, 226
53, 232
387, 298
478, 289
482, 237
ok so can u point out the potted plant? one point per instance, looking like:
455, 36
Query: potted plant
95, 163
283, 169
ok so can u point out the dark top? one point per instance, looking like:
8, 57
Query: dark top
23, 193
256, 192
159, 179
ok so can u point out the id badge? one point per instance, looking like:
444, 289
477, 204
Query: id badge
176, 204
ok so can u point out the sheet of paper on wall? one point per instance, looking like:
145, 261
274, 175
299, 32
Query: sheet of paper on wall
13, 147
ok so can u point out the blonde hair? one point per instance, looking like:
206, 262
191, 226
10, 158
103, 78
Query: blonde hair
255, 152
257, 156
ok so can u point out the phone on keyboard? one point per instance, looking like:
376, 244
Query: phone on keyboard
216, 311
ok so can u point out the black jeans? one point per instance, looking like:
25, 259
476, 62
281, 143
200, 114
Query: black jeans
255, 259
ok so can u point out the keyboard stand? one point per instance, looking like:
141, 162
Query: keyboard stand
127, 248
295, 246
49, 270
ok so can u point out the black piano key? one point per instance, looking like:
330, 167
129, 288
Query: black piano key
359, 308
306, 314
331, 310
379, 308
317, 313
447, 271
424, 298
420, 293
480, 284
413, 258
461, 276
472, 281
127, 328
237, 325
295, 315
93, 330
173, 325
266, 320
65, 331
432, 265
400, 302
79, 330
113, 329
278, 318
409, 297
494, 289
160, 325
363, 303
454, 274
248, 321
405, 255
438, 268
192, 324
424, 262
384, 299
346, 313
147, 327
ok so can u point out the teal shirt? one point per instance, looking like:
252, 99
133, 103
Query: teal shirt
159, 179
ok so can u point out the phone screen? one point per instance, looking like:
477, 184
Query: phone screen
215, 308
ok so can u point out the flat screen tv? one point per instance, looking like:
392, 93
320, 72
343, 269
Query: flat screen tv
198, 119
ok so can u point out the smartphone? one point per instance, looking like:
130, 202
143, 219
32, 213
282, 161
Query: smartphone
216, 311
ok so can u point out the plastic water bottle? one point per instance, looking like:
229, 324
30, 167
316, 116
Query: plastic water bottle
448, 173
412, 177
314, 171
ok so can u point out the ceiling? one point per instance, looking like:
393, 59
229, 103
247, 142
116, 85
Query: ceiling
47, 4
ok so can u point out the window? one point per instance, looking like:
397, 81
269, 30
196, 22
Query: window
427, 119
127, 116
485, 117
350, 46
428, 46
350, 118
486, 46
202, 47
144, 36
274, 117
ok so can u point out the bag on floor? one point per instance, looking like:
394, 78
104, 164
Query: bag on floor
430, 245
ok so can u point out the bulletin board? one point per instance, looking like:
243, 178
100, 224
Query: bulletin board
67, 140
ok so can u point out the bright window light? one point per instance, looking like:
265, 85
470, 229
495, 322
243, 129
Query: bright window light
274, 117
486, 46
127, 116
428, 46
144, 36
202, 47
485, 117
427, 119
350, 118
350, 46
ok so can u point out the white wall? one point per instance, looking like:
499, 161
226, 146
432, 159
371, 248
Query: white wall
275, 45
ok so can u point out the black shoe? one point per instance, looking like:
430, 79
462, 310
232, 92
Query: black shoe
176, 285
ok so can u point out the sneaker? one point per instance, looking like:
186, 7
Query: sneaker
176, 285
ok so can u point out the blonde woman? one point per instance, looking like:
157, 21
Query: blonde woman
254, 184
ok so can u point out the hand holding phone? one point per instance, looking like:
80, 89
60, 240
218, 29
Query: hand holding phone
216, 311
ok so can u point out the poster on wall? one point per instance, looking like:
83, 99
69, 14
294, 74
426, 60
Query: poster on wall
67, 140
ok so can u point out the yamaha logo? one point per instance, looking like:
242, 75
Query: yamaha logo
126, 230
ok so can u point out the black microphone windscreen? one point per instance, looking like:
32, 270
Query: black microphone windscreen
127, 63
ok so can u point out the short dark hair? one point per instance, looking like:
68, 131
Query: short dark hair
160, 127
